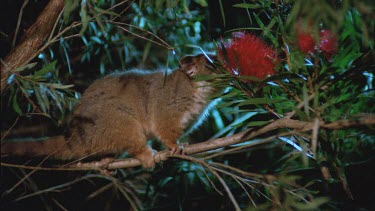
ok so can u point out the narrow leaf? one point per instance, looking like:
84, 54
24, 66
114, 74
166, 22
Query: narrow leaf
40, 100
69, 7
60, 86
256, 123
222, 12
84, 17
202, 3
256, 101
51, 66
15, 105
247, 6
24, 67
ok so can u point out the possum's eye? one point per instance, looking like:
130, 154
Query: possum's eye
188, 64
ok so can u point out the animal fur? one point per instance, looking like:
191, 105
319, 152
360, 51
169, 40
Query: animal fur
120, 112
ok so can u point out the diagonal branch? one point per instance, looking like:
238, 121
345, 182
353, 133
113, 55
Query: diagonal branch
31, 41
368, 121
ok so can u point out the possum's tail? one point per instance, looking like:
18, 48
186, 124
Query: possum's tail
55, 147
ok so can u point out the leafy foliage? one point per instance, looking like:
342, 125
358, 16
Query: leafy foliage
283, 169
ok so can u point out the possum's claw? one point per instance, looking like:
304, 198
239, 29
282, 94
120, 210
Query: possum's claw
179, 149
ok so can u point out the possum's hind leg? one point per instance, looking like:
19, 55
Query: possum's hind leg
129, 136
168, 133
138, 147
145, 155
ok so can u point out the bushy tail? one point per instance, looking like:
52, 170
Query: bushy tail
54, 147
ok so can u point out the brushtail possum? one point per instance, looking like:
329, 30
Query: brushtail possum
121, 111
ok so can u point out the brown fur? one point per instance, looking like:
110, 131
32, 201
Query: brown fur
122, 111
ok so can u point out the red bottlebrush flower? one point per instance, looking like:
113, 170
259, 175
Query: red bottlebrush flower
305, 40
328, 43
247, 55
306, 43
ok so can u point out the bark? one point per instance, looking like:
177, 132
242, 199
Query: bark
32, 40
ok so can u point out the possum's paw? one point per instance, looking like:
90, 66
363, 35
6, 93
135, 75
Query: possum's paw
147, 158
103, 165
179, 149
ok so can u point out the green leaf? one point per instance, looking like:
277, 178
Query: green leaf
256, 101
70, 5
202, 3
46, 69
106, 12
301, 114
248, 6
60, 86
256, 123
233, 93
260, 23
24, 67
345, 59
55, 96
268, 34
206, 77
63, 45
84, 17
222, 12
239, 122
172, 3
313, 205
159, 4
228, 104
15, 105
164, 181
186, 7
40, 100
43, 93
293, 15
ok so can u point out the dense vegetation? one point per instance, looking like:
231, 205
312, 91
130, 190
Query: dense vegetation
302, 138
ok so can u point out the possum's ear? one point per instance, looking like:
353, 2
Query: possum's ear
188, 65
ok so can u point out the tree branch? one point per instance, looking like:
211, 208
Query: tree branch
31, 41
298, 125
249, 134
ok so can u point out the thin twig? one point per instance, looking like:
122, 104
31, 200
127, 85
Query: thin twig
31, 172
227, 189
54, 188
7, 132
116, 5
239, 182
25, 2
315, 133
234, 176
55, 25
245, 173
100, 190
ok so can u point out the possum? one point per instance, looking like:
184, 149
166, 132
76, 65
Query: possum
122, 111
